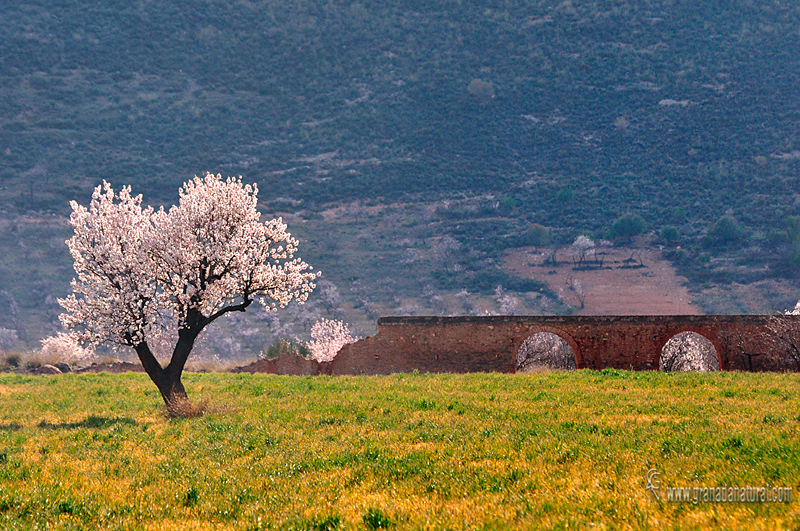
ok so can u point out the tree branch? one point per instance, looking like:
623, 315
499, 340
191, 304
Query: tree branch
234, 308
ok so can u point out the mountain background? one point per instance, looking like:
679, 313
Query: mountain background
410, 145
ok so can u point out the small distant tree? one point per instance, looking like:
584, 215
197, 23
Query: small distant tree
725, 232
143, 274
468, 302
330, 296
552, 256
445, 252
577, 287
580, 248
689, 351
327, 338
66, 348
507, 303
627, 226
537, 236
8, 338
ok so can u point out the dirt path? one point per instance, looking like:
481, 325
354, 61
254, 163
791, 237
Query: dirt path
654, 289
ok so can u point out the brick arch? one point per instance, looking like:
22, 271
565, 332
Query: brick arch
719, 348
529, 332
487, 343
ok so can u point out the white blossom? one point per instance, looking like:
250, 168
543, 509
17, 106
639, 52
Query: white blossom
689, 351
544, 350
140, 270
580, 247
507, 303
327, 337
65, 347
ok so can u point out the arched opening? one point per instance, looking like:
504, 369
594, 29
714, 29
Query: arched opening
543, 351
688, 351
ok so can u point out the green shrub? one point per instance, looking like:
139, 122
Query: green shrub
536, 235
627, 226
13, 360
565, 194
678, 215
777, 237
725, 232
669, 234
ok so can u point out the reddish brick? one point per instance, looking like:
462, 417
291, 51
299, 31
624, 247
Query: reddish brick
490, 344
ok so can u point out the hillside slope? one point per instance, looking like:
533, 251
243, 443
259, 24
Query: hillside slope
486, 118
636, 105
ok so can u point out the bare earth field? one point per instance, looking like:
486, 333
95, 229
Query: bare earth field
651, 287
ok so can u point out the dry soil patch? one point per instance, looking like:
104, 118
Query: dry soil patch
653, 288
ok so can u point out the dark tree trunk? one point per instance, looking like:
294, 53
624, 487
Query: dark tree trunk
168, 379
174, 395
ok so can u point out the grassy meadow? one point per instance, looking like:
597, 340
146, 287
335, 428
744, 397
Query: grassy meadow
480, 451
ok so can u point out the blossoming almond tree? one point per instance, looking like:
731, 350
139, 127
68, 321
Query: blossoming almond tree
64, 348
142, 272
327, 338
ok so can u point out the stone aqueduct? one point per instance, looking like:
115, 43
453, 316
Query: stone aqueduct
490, 344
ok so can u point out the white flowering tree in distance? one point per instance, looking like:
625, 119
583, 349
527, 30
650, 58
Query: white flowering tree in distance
145, 274
327, 338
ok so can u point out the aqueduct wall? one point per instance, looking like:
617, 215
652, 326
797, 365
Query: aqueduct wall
490, 344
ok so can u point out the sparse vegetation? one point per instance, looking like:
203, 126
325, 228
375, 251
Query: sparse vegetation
545, 351
284, 346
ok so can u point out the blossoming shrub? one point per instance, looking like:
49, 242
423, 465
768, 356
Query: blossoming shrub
327, 337
65, 348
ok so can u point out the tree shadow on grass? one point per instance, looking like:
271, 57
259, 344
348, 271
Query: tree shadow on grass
92, 421
11, 426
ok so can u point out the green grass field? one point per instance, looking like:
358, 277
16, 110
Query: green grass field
481, 451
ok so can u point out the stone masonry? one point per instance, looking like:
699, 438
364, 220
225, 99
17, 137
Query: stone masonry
490, 344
